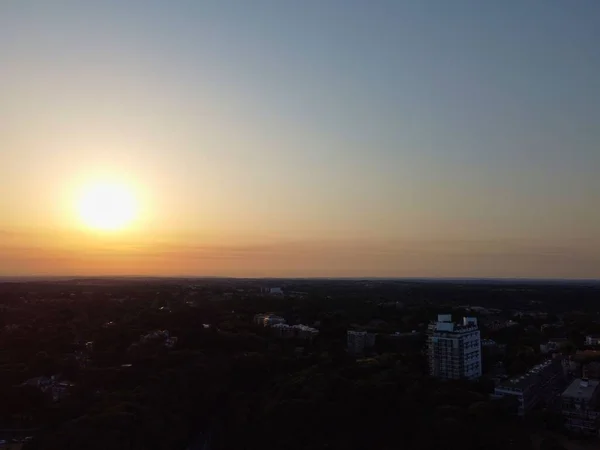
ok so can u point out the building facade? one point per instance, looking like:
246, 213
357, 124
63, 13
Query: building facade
592, 340
295, 331
541, 383
454, 349
359, 341
579, 402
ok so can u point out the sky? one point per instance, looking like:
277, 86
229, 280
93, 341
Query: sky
284, 138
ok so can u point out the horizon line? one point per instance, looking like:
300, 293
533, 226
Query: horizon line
332, 278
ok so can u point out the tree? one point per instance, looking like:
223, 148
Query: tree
551, 444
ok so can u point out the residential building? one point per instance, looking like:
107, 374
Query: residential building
491, 350
571, 368
295, 331
454, 349
553, 345
592, 340
548, 326
540, 383
273, 320
283, 330
305, 332
58, 390
61, 390
359, 341
268, 320
579, 402
488, 343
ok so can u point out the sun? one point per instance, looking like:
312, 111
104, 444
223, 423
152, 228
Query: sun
107, 206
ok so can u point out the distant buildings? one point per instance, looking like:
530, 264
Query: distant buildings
276, 291
579, 403
490, 349
592, 340
295, 331
268, 320
159, 336
454, 349
548, 326
570, 367
540, 383
359, 341
553, 345
488, 343
52, 386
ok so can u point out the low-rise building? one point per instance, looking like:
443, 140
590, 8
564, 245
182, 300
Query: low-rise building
52, 386
555, 325
273, 320
61, 390
295, 331
305, 332
496, 324
579, 402
283, 330
571, 367
540, 383
268, 320
553, 345
592, 340
490, 349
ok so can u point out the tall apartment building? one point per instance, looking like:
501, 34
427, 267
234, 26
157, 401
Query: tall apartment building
454, 349
541, 383
579, 406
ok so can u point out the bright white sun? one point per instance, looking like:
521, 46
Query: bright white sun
107, 206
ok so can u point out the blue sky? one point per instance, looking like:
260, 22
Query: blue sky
314, 121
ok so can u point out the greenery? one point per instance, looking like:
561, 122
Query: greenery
232, 384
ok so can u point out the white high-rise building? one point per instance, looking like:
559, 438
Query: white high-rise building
454, 348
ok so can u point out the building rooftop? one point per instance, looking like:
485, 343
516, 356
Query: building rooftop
445, 324
581, 389
357, 333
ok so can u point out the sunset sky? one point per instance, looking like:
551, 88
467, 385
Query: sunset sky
418, 138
